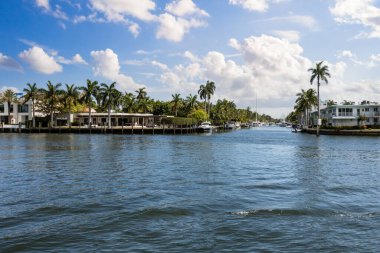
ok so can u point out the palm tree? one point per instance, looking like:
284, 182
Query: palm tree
176, 102
128, 102
210, 88
52, 98
202, 92
141, 94
191, 102
88, 95
31, 93
321, 73
305, 102
9, 97
70, 98
110, 98
143, 102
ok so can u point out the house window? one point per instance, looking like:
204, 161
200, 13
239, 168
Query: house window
367, 109
375, 109
23, 108
345, 112
1, 108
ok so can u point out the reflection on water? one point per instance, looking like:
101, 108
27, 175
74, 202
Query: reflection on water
263, 189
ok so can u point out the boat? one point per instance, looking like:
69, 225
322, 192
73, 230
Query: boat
230, 125
205, 127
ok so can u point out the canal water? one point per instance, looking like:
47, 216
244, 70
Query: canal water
256, 190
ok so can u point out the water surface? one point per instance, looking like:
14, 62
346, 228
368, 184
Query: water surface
263, 189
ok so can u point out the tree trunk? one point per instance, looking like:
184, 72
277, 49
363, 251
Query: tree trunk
9, 113
318, 112
205, 104
89, 115
69, 117
33, 114
109, 116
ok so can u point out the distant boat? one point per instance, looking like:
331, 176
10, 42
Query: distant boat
230, 125
205, 127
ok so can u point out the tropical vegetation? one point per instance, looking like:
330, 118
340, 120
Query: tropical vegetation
94, 97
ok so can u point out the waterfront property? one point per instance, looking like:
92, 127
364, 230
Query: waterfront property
349, 115
18, 113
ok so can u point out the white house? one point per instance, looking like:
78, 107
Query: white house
350, 115
19, 113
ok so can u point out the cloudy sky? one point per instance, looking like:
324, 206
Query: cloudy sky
248, 48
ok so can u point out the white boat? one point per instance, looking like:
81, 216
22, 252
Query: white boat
205, 127
230, 125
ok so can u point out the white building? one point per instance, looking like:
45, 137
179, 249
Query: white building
19, 113
350, 115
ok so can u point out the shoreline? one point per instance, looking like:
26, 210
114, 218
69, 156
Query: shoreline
359, 132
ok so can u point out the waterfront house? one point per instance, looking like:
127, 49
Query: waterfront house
19, 113
349, 115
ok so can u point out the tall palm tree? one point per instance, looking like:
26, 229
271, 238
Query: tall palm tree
305, 101
110, 98
143, 101
176, 102
141, 94
88, 93
70, 98
9, 97
52, 95
202, 92
128, 102
31, 93
210, 88
191, 102
320, 73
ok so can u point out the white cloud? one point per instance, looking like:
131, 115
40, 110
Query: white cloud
183, 8
40, 61
346, 53
134, 28
106, 64
273, 68
7, 62
180, 17
362, 12
292, 36
160, 65
375, 57
251, 5
43, 4
57, 12
174, 28
300, 20
118, 10
78, 59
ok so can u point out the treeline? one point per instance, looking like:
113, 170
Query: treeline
69, 98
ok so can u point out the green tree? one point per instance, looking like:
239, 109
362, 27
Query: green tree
128, 102
70, 98
305, 101
51, 98
320, 73
110, 98
210, 87
199, 115
88, 94
144, 104
9, 97
31, 93
176, 102
202, 92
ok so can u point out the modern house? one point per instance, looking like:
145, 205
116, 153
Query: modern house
349, 115
19, 113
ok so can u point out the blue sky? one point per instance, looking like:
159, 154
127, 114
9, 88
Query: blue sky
248, 48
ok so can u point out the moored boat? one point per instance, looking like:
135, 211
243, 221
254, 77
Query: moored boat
205, 127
